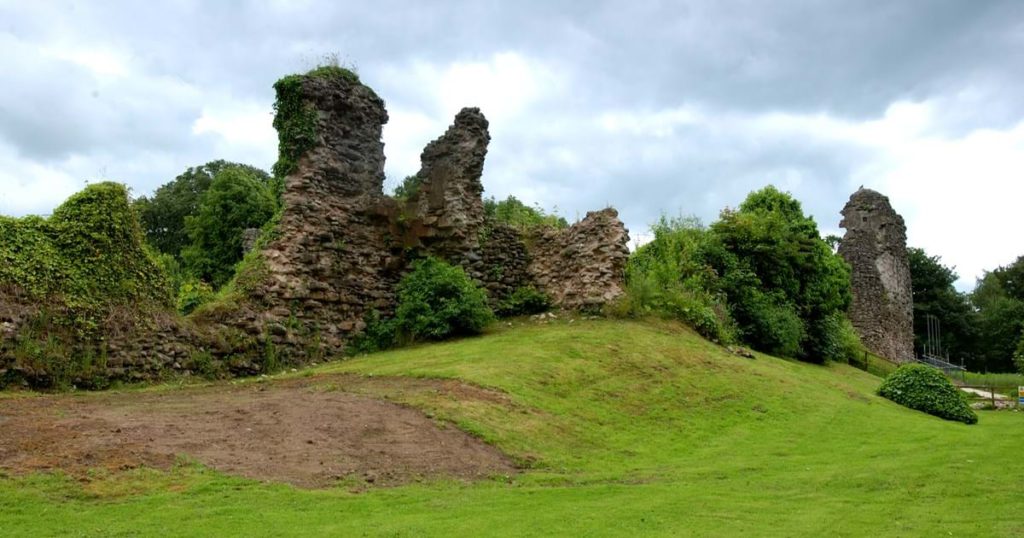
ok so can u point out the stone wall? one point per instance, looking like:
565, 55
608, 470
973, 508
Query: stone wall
342, 245
447, 211
503, 263
582, 266
333, 257
875, 246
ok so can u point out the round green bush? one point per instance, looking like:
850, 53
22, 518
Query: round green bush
437, 300
926, 389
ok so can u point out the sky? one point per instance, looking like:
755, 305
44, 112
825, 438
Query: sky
676, 108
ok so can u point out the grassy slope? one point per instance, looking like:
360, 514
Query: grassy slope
629, 428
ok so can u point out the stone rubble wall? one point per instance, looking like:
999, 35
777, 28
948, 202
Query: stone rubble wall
875, 246
342, 246
503, 263
448, 207
334, 258
584, 265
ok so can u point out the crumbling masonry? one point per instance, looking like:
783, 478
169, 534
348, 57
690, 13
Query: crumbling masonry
342, 245
875, 246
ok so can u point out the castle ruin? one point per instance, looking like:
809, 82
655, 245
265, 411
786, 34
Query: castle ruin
875, 246
341, 246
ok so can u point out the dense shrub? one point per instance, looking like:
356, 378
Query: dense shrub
778, 273
192, 294
524, 301
437, 300
761, 273
378, 335
926, 389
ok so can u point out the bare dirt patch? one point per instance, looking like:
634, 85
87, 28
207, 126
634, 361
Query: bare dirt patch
283, 431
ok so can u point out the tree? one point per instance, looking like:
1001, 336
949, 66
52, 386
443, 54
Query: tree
935, 295
236, 200
999, 299
786, 288
163, 216
408, 188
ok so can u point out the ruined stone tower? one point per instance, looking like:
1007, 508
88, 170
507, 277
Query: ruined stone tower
875, 246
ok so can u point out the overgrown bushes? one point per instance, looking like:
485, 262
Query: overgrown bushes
81, 274
668, 277
87, 256
435, 301
760, 273
520, 216
926, 389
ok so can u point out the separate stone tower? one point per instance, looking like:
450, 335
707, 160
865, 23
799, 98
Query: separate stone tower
875, 246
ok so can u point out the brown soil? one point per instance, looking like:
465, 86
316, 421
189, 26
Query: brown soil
308, 432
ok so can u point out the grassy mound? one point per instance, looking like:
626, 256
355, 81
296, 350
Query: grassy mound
623, 428
926, 389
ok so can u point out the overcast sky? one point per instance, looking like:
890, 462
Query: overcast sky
651, 107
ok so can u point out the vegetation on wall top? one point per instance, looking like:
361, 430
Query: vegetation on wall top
87, 257
516, 214
295, 118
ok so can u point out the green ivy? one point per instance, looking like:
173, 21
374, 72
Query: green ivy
85, 272
295, 121
86, 258
295, 118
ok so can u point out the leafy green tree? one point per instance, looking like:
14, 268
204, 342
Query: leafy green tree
235, 200
408, 188
163, 215
786, 288
670, 276
935, 295
1000, 316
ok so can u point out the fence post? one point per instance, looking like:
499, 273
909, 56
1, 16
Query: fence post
992, 394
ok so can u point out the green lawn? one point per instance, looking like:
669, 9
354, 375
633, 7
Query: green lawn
627, 429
